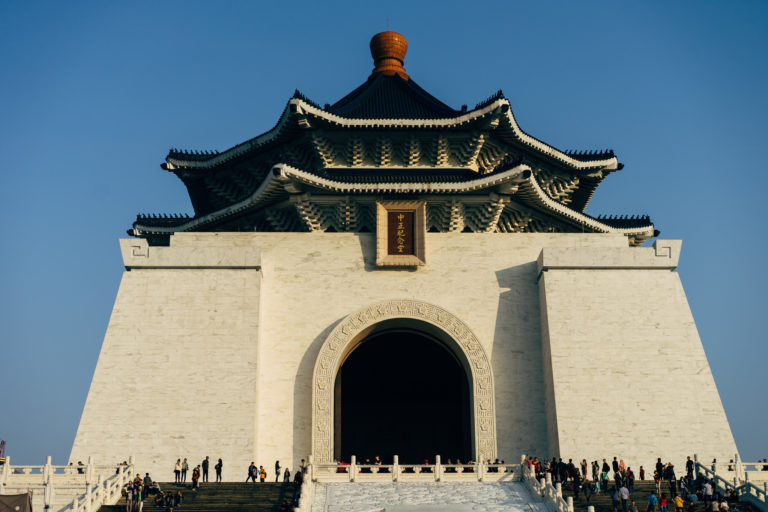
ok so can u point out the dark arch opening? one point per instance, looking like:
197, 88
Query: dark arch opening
402, 392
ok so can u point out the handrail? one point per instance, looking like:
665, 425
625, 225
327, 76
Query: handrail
306, 495
552, 495
743, 488
102, 483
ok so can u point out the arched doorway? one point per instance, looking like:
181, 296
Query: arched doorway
428, 320
402, 391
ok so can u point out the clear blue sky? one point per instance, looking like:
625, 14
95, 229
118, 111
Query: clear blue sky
92, 95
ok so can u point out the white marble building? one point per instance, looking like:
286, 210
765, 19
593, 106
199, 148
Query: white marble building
497, 319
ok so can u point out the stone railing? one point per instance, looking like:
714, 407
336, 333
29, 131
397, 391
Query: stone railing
396, 472
729, 480
551, 494
307, 493
104, 492
60, 488
755, 472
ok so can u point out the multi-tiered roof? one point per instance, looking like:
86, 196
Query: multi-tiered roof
323, 168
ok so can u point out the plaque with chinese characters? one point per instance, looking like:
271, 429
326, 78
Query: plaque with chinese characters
401, 227
399, 233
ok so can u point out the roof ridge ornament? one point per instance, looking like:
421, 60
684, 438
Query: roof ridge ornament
388, 51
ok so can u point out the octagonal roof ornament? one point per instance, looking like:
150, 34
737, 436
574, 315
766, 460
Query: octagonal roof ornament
388, 51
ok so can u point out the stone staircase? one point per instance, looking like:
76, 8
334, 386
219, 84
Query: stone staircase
220, 497
643, 488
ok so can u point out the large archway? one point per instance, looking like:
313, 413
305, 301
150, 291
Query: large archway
402, 392
403, 315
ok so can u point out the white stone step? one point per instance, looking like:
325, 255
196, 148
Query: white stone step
413, 497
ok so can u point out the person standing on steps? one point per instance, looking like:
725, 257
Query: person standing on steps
184, 468
205, 469
262, 473
177, 471
251, 472
195, 477
287, 476
277, 471
218, 467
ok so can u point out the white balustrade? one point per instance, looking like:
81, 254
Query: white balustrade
397, 472
552, 495
76, 488
742, 486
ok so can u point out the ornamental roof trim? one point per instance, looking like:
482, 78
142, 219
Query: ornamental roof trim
282, 174
299, 108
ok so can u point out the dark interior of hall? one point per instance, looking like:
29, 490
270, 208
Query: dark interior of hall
404, 393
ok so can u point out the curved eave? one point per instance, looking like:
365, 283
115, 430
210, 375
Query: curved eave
533, 194
521, 175
172, 163
501, 106
298, 107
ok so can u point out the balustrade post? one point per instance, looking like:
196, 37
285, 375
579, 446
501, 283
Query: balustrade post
548, 477
6, 470
438, 468
590, 509
47, 470
559, 489
570, 503
311, 466
395, 468
740, 473
131, 466
352, 468
87, 498
481, 471
89, 471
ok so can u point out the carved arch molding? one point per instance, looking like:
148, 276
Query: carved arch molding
356, 326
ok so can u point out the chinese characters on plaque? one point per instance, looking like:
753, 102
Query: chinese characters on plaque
400, 233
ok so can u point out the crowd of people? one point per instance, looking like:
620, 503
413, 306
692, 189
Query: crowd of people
137, 489
181, 468
617, 481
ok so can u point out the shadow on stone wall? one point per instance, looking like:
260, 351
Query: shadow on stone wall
517, 366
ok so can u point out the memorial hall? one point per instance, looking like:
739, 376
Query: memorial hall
388, 275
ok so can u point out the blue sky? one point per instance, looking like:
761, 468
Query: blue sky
92, 96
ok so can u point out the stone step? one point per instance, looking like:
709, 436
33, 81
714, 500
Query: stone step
220, 497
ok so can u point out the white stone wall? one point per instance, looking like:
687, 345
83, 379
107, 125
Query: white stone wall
629, 377
227, 351
177, 372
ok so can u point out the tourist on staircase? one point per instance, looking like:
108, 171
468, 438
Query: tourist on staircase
195, 477
277, 471
218, 467
652, 502
251, 472
205, 469
184, 468
177, 471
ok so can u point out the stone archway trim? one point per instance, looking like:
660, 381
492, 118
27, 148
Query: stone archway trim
334, 348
